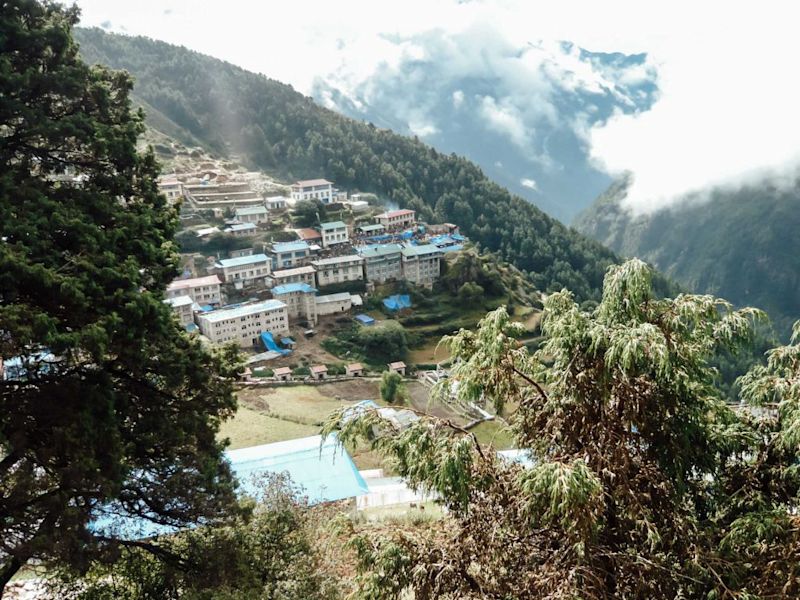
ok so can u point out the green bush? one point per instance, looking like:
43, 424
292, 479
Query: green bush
301, 371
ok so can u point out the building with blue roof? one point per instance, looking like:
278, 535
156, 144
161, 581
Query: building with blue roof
287, 255
242, 229
244, 270
333, 233
300, 300
322, 470
422, 264
244, 324
382, 262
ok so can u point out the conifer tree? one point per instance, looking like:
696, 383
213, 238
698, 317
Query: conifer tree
636, 479
105, 401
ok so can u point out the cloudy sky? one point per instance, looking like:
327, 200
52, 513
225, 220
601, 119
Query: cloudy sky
728, 98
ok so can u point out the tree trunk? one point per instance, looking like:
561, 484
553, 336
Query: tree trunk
7, 571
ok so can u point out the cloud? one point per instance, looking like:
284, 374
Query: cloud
506, 119
458, 98
529, 183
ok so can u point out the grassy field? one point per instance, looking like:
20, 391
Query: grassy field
494, 433
252, 428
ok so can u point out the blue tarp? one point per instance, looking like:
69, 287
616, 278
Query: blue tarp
455, 248
397, 302
269, 344
365, 319
287, 341
323, 470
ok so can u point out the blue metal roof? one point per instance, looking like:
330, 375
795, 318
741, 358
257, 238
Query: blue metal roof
281, 247
288, 288
323, 470
365, 319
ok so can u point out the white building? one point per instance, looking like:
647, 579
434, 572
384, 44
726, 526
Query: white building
421, 264
276, 202
245, 324
252, 214
242, 229
297, 275
313, 189
203, 290
396, 219
182, 308
382, 262
244, 270
337, 269
286, 255
171, 188
333, 304
334, 233
299, 299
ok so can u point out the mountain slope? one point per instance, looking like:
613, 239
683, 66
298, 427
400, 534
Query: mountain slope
742, 245
272, 127
520, 112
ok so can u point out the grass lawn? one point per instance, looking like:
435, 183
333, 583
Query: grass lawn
305, 403
428, 354
252, 428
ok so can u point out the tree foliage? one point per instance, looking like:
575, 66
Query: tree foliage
309, 213
108, 400
637, 479
392, 389
268, 556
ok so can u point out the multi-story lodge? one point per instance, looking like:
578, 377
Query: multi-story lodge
396, 219
203, 290
171, 188
300, 300
337, 269
382, 262
334, 233
245, 324
297, 275
252, 214
276, 202
421, 264
286, 255
182, 308
242, 229
244, 270
313, 189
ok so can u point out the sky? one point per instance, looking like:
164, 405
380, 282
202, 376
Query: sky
726, 112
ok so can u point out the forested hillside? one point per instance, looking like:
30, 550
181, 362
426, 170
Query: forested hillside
742, 245
199, 99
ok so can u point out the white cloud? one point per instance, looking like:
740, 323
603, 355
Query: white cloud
728, 106
530, 184
458, 98
506, 119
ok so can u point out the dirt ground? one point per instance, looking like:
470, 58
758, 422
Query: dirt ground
308, 348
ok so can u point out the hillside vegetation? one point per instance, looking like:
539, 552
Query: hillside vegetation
268, 125
742, 245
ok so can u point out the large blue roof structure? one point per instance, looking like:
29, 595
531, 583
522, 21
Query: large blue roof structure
289, 288
323, 470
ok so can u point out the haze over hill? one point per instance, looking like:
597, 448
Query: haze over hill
521, 112
741, 244
199, 99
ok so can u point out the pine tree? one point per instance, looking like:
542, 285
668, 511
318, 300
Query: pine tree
637, 480
111, 404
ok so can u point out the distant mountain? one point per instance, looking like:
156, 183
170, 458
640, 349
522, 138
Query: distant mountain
521, 113
268, 125
743, 245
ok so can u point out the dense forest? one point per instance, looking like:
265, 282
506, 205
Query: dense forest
268, 125
739, 244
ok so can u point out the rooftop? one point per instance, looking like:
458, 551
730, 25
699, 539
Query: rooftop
182, 284
241, 227
376, 250
333, 225
251, 210
373, 227
319, 369
322, 468
397, 365
283, 371
396, 213
312, 182
290, 288
281, 247
337, 260
355, 367
179, 301
242, 311
242, 260
304, 270
333, 297
421, 250
306, 233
